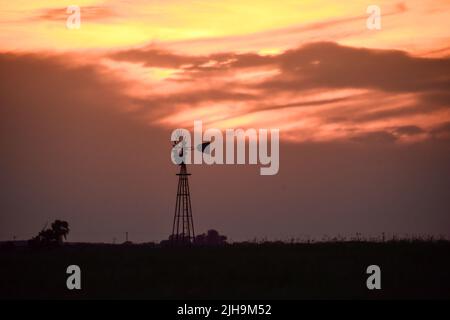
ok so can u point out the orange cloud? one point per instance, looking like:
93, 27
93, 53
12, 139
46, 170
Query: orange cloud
319, 91
89, 13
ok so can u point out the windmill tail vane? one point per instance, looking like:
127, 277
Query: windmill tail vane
203, 147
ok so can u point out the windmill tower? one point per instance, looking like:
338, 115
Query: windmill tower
183, 222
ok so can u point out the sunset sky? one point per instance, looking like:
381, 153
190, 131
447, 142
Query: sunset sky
364, 116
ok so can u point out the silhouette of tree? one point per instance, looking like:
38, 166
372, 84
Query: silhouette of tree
54, 236
60, 230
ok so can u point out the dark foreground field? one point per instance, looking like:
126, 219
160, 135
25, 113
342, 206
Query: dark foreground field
283, 271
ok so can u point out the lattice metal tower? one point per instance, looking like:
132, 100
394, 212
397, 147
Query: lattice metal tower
183, 223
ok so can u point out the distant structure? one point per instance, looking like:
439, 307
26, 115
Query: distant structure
127, 242
183, 222
211, 238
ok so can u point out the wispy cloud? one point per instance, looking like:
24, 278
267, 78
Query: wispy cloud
319, 91
89, 13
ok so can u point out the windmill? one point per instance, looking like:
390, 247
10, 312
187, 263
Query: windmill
183, 222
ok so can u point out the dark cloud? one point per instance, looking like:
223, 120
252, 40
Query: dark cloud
375, 137
435, 98
322, 65
442, 131
319, 65
154, 57
388, 135
329, 65
407, 130
194, 65
369, 115
198, 96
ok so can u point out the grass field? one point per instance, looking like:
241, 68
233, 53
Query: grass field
417, 269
